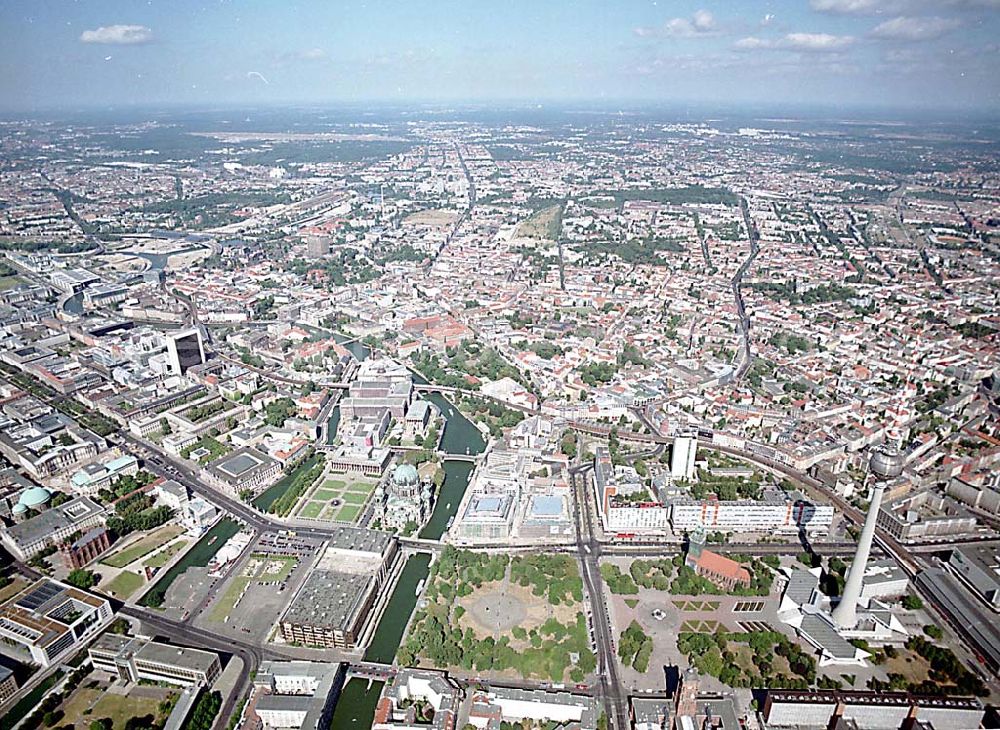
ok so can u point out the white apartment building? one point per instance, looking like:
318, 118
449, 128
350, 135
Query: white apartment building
765, 515
682, 457
653, 518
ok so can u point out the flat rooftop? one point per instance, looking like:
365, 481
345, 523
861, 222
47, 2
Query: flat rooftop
329, 599
239, 465
546, 506
154, 652
360, 539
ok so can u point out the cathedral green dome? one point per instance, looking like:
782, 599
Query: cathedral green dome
405, 475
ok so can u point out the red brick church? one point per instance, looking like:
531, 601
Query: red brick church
719, 569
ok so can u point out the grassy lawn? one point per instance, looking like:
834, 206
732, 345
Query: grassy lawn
546, 639
348, 513
8, 282
361, 487
121, 709
15, 585
544, 223
744, 658
352, 495
908, 663
224, 606
312, 510
704, 627
143, 547
125, 584
79, 702
163, 557
216, 448
697, 605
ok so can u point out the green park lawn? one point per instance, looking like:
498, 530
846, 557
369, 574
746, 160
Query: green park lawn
361, 487
351, 494
120, 709
143, 547
8, 282
15, 585
702, 627
80, 702
348, 513
688, 605
163, 557
224, 606
125, 584
312, 510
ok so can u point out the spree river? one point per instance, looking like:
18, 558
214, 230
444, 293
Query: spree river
461, 436
356, 706
360, 352
390, 629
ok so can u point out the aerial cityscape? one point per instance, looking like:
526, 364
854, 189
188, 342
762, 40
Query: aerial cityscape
554, 414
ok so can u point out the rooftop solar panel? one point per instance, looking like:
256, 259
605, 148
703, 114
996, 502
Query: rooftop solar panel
39, 597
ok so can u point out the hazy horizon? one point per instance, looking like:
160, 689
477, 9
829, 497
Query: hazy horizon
519, 110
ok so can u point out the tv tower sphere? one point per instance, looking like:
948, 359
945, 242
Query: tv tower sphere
886, 463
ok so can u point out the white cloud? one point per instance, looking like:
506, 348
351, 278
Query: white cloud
701, 23
312, 54
816, 41
752, 43
118, 35
805, 42
914, 29
858, 7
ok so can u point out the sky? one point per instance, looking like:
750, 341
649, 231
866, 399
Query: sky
923, 54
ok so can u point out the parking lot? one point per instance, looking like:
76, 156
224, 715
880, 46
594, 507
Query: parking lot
251, 600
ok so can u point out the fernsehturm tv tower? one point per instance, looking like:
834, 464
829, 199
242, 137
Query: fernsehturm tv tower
885, 464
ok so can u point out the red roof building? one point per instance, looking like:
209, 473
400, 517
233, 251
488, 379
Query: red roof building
724, 572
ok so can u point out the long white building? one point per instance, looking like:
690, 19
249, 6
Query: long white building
787, 513
776, 511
